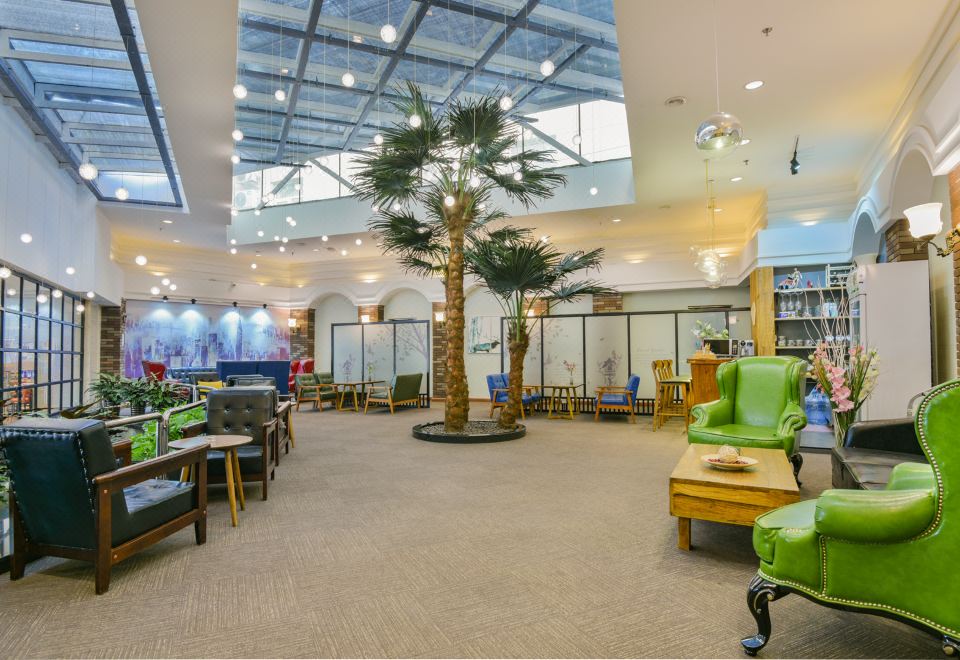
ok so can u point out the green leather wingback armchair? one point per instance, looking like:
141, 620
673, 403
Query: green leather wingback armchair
403, 389
891, 552
759, 406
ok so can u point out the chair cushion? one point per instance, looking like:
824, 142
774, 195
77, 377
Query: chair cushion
324, 377
251, 461
739, 435
149, 504
788, 545
613, 399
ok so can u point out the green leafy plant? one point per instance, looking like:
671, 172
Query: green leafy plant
521, 272
108, 388
144, 443
432, 183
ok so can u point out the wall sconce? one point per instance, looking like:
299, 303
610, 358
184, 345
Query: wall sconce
439, 317
364, 318
292, 322
925, 224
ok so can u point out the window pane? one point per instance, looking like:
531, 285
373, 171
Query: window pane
287, 194
28, 333
77, 342
29, 297
246, 190
318, 184
43, 334
603, 126
11, 293
11, 377
43, 308
560, 124
55, 398
11, 330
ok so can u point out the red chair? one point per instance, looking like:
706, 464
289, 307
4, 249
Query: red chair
294, 370
154, 370
306, 367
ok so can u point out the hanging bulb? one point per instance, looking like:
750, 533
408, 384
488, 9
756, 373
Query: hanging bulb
57, 293
506, 103
282, 249
577, 139
378, 139
449, 200
122, 194
260, 233
280, 95
719, 135
235, 159
415, 120
388, 33
140, 260
5, 272
237, 135
518, 176
324, 238
234, 213
396, 206
80, 307
474, 181
256, 211
284, 239
348, 79
593, 190
88, 171
292, 223
155, 291
239, 91
547, 67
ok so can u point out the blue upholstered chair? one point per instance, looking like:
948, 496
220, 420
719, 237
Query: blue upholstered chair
499, 385
618, 398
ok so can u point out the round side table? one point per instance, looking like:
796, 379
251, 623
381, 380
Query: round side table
231, 464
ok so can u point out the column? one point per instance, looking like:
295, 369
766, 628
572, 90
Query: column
762, 311
901, 246
111, 338
373, 313
607, 302
303, 336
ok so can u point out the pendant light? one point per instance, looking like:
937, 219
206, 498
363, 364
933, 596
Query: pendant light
388, 33
122, 194
239, 91
348, 79
87, 170
708, 260
547, 67
721, 133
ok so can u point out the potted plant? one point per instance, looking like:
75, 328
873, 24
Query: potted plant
521, 272
432, 183
109, 389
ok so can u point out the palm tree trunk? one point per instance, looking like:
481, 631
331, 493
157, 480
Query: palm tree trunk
458, 396
518, 343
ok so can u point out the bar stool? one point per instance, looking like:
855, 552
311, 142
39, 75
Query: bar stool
672, 394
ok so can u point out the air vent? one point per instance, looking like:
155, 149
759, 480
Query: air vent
675, 101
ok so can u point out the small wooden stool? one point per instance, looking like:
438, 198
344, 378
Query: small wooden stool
231, 464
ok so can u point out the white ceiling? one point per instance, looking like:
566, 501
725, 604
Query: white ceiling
835, 73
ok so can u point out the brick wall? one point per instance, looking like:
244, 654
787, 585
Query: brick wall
303, 337
374, 311
539, 308
901, 246
111, 338
439, 337
608, 302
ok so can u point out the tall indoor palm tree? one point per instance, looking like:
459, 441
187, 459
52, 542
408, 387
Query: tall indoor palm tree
431, 183
521, 272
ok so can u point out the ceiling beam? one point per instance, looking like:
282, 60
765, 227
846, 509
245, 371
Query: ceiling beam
510, 26
556, 144
303, 57
335, 175
388, 70
125, 25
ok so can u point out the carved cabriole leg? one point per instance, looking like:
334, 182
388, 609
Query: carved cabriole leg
951, 646
759, 595
797, 461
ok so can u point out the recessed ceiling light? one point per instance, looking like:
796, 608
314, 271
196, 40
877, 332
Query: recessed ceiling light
744, 141
165, 281
140, 260
754, 84
343, 253
168, 222
616, 220
26, 238
736, 179
718, 210
809, 223
176, 240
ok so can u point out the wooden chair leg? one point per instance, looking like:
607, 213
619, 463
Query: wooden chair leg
290, 431
390, 401
18, 562
366, 405
231, 486
200, 527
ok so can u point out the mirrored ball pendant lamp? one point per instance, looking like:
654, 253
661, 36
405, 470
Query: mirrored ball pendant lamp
718, 135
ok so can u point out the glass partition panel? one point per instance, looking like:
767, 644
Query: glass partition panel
607, 349
563, 350
652, 337
740, 325
347, 352
686, 341
413, 350
378, 351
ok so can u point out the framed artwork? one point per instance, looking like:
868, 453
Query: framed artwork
483, 334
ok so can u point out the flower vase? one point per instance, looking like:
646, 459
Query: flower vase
839, 428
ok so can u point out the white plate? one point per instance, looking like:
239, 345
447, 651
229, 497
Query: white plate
713, 461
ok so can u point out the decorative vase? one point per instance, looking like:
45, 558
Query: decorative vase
137, 409
839, 429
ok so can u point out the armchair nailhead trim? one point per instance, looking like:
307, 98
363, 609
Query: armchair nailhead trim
860, 603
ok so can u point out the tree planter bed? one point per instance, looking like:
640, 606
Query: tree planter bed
474, 432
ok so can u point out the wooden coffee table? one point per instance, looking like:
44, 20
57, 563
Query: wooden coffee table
352, 387
736, 498
231, 464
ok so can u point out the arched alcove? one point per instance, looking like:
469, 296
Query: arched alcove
912, 184
406, 303
866, 239
328, 309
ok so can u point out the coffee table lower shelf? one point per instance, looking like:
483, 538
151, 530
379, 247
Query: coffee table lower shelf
700, 492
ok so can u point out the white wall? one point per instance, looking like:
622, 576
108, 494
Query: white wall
480, 303
332, 309
942, 305
407, 304
38, 197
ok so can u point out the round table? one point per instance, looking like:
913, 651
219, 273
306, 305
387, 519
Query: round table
557, 395
231, 464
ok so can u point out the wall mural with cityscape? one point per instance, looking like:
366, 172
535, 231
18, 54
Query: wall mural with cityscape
187, 335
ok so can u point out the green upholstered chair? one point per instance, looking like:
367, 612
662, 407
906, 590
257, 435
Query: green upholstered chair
403, 389
69, 499
316, 388
891, 552
759, 406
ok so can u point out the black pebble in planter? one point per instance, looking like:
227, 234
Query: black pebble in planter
475, 431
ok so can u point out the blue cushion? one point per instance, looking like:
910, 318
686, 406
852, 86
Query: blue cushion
531, 398
614, 399
633, 385
501, 397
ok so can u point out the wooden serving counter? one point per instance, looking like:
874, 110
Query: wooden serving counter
703, 369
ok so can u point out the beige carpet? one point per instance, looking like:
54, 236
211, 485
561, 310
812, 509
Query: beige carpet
376, 544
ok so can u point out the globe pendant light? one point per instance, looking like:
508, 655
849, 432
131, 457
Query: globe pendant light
415, 121
122, 194
348, 79
378, 139
280, 95
506, 103
237, 135
547, 68
388, 33
239, 91
88, 171
721, 133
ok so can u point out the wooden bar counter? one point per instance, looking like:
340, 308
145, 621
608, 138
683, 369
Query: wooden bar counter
703, 369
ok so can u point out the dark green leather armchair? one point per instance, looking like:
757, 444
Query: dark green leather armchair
315, 388
403, 389
69, 499
759, 406
891, 552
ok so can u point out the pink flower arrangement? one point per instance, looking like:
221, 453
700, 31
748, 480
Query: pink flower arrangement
847, 376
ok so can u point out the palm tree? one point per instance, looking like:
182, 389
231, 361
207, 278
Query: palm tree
520, 273
431, 183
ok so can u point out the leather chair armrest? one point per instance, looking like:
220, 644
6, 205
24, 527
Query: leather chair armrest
864, 516
896, 435
714, 413
149, 469
193, 430
908, 476
792, 419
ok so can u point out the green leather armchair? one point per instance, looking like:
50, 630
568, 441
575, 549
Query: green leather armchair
316, 388
403, 389
890, 552
759, 406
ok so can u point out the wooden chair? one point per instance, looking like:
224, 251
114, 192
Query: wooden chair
499, 388
620, 399
669, 401
315, 389
403, 389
